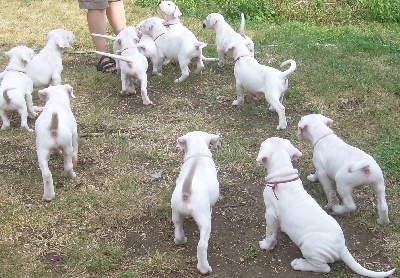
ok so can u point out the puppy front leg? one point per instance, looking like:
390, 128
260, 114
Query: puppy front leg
221, 57
272, 228
240, 93
330, 193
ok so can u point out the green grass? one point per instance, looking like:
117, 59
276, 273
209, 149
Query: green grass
113, 220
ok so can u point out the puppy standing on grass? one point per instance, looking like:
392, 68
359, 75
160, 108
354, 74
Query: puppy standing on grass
226, 36
56, 129
255, 78
349, 167
174, 47
46, 67
196, 191
16, 87
290, 207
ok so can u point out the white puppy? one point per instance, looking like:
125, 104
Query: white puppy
16, 87
254, 78
133, 67
290, 207
174, 47
46, 67
348, 166
56, 129
196, 191
226, 36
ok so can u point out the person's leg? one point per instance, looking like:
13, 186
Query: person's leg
97, 22
116, 15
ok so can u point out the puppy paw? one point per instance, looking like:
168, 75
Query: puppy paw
312, 177
297, 264
237, 102
147, 102
180, 241
32, 115
282, 126
204, 269
267, 245
48, 197
383, 222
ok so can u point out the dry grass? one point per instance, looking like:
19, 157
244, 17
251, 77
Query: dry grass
113, 220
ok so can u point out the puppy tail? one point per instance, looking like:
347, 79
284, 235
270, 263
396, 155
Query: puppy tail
348, 259
54, 125
187, 183
292, 67
104, 36
360, 165
242, 23
5, 95
204, 58
118, 57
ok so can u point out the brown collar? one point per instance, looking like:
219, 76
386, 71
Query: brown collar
159, 36
274, 184
238, 58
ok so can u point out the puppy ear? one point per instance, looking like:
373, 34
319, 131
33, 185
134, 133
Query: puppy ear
301, 125
212, 19
43, 94
26, 56
215, 140
177, 12
181, 142
294, 153
69, 90
262, 156
327, 121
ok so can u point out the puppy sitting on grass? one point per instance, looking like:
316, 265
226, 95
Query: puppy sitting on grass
196, 191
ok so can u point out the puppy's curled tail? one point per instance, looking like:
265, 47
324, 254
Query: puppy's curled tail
348, 259
360, 165
242, 23
292, 67
187, 184
54, 125
5, 95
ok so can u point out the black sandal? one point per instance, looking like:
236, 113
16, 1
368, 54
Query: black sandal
105, 64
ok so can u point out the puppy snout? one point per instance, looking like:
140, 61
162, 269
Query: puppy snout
159, 3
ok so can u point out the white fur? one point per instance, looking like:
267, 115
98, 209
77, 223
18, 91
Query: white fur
289, 206
348, 166
46, 67
133, 65
174, 47
52, 134
196, 191
16, 87
255, 78
226, 36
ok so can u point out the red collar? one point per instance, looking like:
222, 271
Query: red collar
274, 184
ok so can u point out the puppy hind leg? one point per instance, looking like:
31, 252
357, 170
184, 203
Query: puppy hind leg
280, 109
199, 63
24, 118
345, 192
184, 70
68, 164
143, 90
305, 265
383, 210
29, 104
6, 121
204, 224
327, 186
48, 188
179, 234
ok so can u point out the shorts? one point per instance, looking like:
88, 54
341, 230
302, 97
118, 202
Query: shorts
95, 4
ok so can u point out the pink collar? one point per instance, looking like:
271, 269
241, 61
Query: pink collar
274, 184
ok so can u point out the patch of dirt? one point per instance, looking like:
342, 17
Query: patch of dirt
238, 224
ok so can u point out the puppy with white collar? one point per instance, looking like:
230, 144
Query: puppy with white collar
226, 36
46, 67
56, 129
196, 191
255, 78
174, 47
16, 87
347, 166
289, 206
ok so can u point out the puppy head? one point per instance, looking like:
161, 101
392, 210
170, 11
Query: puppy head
306, 121
273, 144
62, 38
211, 20
147, 24
22, 53
54, 91
208, 138
168, 10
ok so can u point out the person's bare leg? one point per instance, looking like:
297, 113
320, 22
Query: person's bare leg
97, 22
116, 16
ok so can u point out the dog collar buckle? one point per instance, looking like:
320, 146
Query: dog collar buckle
274, 184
